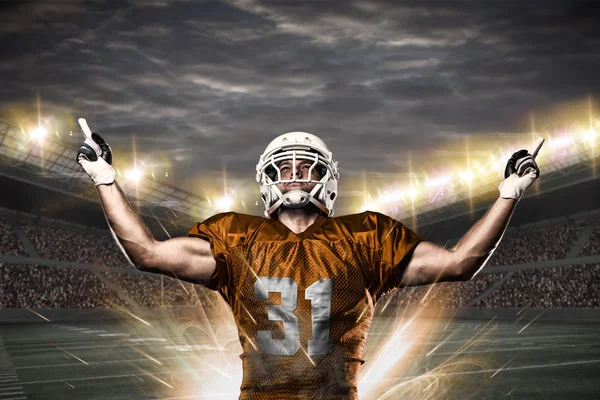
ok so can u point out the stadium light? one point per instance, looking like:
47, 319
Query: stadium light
412, 193
368, 203
372, 206
590, 135
224, 203
467, 176
438, 181
388, 197
562, 141
38, 133
134, 174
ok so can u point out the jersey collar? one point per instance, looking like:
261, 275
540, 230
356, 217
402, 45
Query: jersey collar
286, 232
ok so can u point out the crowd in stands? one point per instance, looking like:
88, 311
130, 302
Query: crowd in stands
152, 291
576, 286
541, 244
11, 245
447, 294
69, 245
35, 286
592, 246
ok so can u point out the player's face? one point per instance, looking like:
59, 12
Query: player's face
302, 171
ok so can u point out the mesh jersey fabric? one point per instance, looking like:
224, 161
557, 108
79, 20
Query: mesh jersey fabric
346, 263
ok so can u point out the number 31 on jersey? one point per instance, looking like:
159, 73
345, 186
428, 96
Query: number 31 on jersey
319, 294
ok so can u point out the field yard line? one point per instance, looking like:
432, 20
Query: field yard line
18, 354
84, 339
202, 395
53, 348
8, 377
96, 363
499, 339
523, 367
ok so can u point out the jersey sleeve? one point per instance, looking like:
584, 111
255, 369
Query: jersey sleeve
214, 230
395, 243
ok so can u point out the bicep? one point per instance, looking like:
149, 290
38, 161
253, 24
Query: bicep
186, 258
430, 263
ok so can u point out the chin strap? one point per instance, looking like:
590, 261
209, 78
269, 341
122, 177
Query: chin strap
273, 208
321, 207
316, 202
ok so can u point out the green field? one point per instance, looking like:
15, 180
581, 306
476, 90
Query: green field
171, 360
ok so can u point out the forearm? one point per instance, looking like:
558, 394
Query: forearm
479, 243
129, 230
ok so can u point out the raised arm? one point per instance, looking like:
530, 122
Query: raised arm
430, 263
186, 258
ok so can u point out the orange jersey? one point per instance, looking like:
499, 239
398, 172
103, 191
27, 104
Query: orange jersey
303, 303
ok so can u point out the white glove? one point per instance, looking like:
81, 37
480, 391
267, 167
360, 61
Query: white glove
520, 172
95, 157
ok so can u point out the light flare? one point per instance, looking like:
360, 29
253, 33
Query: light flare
438, 181
147, 356
224, 203
134, 316
38, 133
38, 314
135, 175
532, 321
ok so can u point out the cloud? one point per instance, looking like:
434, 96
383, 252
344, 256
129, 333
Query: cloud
213, 84
36, 16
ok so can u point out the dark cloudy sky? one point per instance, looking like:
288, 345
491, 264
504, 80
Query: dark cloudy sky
209, 84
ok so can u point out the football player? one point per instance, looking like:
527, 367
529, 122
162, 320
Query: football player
300, 283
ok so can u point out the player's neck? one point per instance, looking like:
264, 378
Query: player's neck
297, 220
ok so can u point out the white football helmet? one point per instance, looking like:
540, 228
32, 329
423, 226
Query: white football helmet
297, 146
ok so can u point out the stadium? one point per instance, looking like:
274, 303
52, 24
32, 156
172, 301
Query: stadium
79, 322
168, 174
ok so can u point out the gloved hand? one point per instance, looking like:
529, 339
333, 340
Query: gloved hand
520, 172
95, 157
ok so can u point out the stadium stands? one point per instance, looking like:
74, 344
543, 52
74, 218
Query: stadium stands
448, 294
85, 247
32, 286
35, 286
592, 247
574, 286
11, 246
541, 244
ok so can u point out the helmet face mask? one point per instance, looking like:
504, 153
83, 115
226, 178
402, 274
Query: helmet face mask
273, 168
293, 147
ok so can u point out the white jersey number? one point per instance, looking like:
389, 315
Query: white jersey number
319, 294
